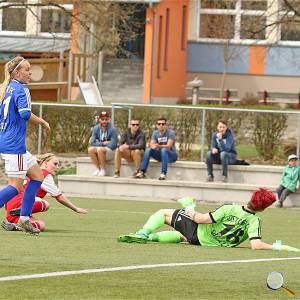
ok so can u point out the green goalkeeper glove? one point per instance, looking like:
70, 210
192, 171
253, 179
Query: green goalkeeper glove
187, 201
279, 247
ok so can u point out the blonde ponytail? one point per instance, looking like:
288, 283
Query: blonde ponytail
5, 83
44, 158
9, 69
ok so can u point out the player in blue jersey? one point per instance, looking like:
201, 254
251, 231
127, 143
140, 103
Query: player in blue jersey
15, 112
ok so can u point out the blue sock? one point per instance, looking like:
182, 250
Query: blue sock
7, 193
29, 197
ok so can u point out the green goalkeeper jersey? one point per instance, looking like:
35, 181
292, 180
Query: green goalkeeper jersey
232, 225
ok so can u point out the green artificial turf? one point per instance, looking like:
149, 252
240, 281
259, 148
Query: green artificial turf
79, 242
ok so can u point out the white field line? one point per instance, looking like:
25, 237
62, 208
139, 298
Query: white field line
139, 267
108, 210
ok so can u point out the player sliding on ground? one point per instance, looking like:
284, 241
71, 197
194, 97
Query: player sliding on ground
49, 164
227, 226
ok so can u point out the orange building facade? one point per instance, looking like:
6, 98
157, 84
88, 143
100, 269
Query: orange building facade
165, 59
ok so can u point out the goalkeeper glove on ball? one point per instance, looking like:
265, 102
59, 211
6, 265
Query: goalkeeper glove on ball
279, 247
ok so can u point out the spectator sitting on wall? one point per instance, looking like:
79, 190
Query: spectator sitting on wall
131, 147
222, 150
162, 148
103, 143
289, 181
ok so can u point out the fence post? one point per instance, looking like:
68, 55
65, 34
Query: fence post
227, 96
129, 115
265, 97
298, 137
100, 69
202, 134
40, 131
70, 75
195, 95
113, 115
60, 73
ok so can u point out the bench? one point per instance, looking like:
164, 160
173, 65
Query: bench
281, 98
213, 94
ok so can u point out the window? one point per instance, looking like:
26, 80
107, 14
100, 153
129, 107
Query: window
290, 30
254, 5
235, 20
55, 20
287, 5
247, 21
290, 22
222, 4
217, 26
21, 20
253, 28
13, 19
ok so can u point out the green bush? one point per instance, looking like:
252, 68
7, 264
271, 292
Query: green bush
268, 129
71, 128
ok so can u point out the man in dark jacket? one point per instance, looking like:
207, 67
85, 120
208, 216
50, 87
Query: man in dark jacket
103, 143
131, 147
222, 150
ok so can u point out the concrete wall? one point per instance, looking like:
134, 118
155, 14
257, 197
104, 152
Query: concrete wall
249, 83
251, 68
256, 60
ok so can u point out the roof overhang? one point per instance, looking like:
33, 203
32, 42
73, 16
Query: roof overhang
129, 1
34, 44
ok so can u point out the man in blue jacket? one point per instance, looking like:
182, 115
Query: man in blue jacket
222, 150
103, 143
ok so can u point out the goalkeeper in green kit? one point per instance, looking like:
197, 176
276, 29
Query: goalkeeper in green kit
227, 226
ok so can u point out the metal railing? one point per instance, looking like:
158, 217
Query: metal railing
130, 106
203, 120
40, 106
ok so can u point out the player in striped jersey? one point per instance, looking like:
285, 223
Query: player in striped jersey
15, 112
49, 164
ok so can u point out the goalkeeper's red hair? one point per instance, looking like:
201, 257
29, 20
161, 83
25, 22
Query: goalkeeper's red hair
261, 199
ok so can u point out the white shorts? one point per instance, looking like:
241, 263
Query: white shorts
17, 165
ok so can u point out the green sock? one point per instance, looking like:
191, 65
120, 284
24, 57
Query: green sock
165, 237
154, 222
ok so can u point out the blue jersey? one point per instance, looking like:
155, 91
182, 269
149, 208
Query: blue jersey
12, 126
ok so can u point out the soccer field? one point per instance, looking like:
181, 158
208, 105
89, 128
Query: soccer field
111, 270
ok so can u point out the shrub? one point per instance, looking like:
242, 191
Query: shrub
70, 130
249, 99
268, 129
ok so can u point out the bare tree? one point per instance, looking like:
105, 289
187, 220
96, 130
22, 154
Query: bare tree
222, 27
104, 23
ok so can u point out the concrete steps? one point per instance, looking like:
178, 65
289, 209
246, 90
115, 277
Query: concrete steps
184, 178
195, 171
122, 80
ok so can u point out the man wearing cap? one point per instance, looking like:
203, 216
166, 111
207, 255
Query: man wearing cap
103, 143
227, 226
289, 181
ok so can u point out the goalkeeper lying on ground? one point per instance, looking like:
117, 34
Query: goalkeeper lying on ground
227, 226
